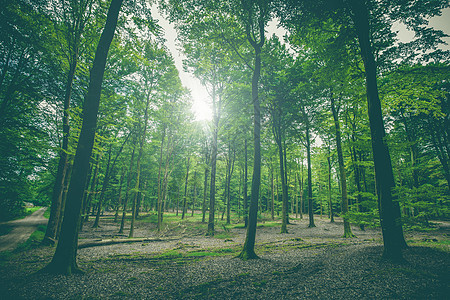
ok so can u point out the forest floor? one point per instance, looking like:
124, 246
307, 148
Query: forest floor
182, 263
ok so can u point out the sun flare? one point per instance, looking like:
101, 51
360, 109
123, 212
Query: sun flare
202, 110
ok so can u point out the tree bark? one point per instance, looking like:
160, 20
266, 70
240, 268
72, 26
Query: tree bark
64, 259
212, 189
390, 217
185, 189
248, 252
245, 193
344, 197
55, 209
308, 158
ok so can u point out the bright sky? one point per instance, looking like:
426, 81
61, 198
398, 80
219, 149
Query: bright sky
201, 103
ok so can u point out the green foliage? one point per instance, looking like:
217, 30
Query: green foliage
423, 204
368, 218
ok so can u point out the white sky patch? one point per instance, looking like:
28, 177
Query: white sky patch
200, 105
440, 22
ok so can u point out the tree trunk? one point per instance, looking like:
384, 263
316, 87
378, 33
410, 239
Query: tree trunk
185, 189
230, 173
245, 202
344, 197
102, 193
308, 157
55, 209
205, 193
330, 203
92, 192
212, 189
127, 190
273, 196
194, 198
248, 252
119, 200
64, 259
159, 204
390, 217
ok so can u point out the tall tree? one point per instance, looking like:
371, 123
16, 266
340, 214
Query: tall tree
64, 259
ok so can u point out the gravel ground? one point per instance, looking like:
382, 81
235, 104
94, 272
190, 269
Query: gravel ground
307, 263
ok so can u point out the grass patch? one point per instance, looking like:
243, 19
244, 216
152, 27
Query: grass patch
440, 245
224, 235
30, 210
47, 213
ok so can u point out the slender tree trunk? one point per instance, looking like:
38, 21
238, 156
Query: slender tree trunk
64, 198
344, 198
127, 190
92, 193
301, 191
194, 198
119, 200
286, 180
390, 217
138, 168
248, 252
64, 259
159, 204
102, 193
284, 211
273, 196
212, 191
245, 202
310, 195
185, 189
230, 173
205, 193
329, 190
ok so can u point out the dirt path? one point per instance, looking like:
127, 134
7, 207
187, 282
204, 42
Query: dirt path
22, 229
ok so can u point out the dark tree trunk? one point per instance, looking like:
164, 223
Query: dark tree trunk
390, 217
127, 189
64, 198
278, 135
205, 193
230, 169
212, 187
119, 200
159, 204
308, 158
55, 209
344, 197
92, 192
248, 252
273, 195
185, 189
330, 202
64, 259
138, 165
104, 186
194, 197
244, 189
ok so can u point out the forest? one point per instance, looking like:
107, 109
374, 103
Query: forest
339, 122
